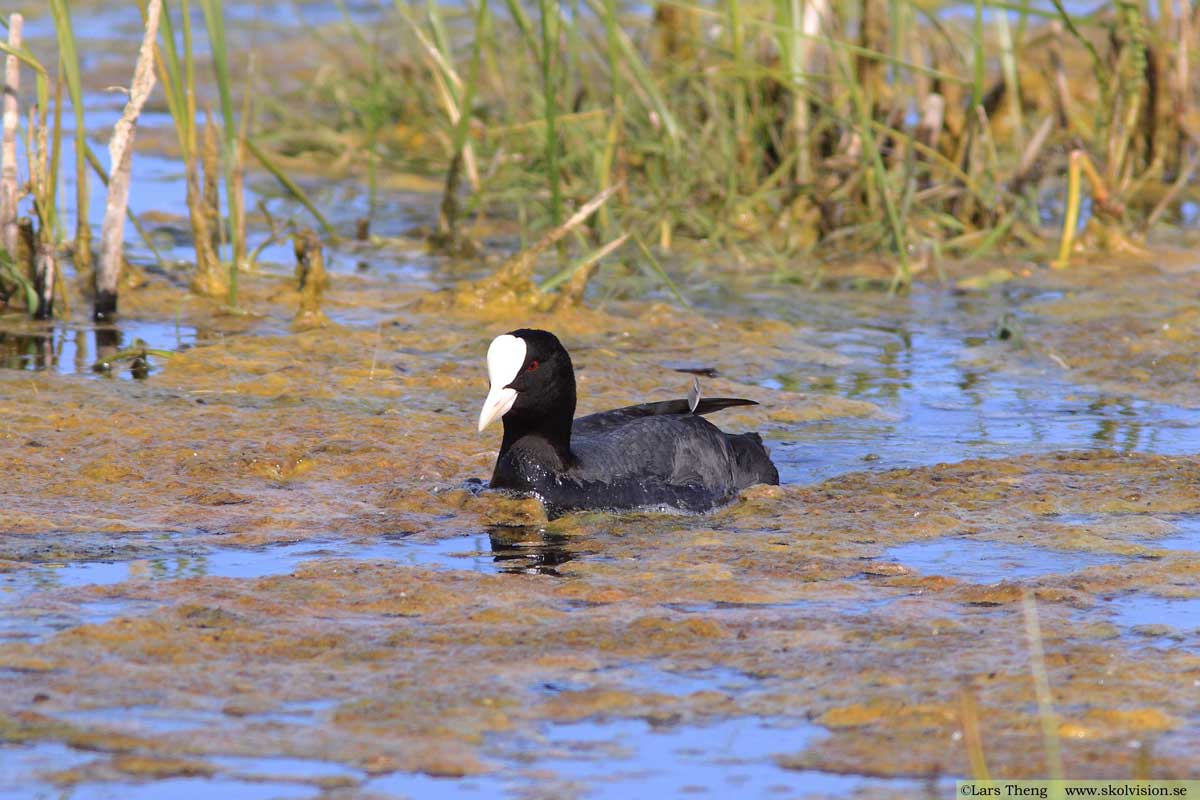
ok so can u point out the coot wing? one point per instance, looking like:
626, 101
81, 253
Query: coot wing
604, 420
657, 459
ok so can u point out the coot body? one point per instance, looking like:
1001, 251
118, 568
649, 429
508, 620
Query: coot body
662, 455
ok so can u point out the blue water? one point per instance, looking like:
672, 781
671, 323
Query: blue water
608, 759
632, 760
462, 552
1149, 620
983, 561
25, 770
930, 367
157, 557
22, 765
67, 347
1180, 613
195, 789
1186, 536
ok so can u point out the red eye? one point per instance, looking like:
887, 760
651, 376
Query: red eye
532, 366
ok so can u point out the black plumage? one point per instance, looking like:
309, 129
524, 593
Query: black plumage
660, 455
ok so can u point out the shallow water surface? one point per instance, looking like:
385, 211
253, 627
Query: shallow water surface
88, 349
197, 789
633, 760
623, 759
938, 372
988, 562
1185, 537
24, 765
1179, 614
149, 557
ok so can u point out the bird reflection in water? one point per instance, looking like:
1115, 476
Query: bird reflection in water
527, 549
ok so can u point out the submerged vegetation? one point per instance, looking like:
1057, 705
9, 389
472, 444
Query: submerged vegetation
784, 133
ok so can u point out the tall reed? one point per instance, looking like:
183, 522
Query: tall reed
177, 72
69, 61
548, 57
214, 22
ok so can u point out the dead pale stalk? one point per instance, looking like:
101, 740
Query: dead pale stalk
1041, 685
968, 715
572, 294
8, 150
120, 149
803, 58
520, 266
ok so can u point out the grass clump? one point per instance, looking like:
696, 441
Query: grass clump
773, 130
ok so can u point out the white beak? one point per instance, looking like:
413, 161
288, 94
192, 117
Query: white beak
505, 357
497, 404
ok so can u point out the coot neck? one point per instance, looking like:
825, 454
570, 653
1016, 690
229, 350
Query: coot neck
540, 429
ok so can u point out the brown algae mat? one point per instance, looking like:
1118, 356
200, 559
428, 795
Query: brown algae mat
874, 618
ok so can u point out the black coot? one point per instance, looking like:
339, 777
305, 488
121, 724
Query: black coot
655, 455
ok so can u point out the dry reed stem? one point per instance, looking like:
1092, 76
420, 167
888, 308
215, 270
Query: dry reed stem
25, 245
520, 266
447, 236
571, 295
1041, 685
208, 279
238, 180
438, 68
1062, 89
814, 14
1032, 150
8, 149
120, 149
968, 715
933, 118
1180, 88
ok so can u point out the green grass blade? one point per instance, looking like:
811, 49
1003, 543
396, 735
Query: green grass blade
978, 60
641, 75
69, 58
291, 186
878, 170
657, 270
549, 18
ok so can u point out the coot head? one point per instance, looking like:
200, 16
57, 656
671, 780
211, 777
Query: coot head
532, 382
